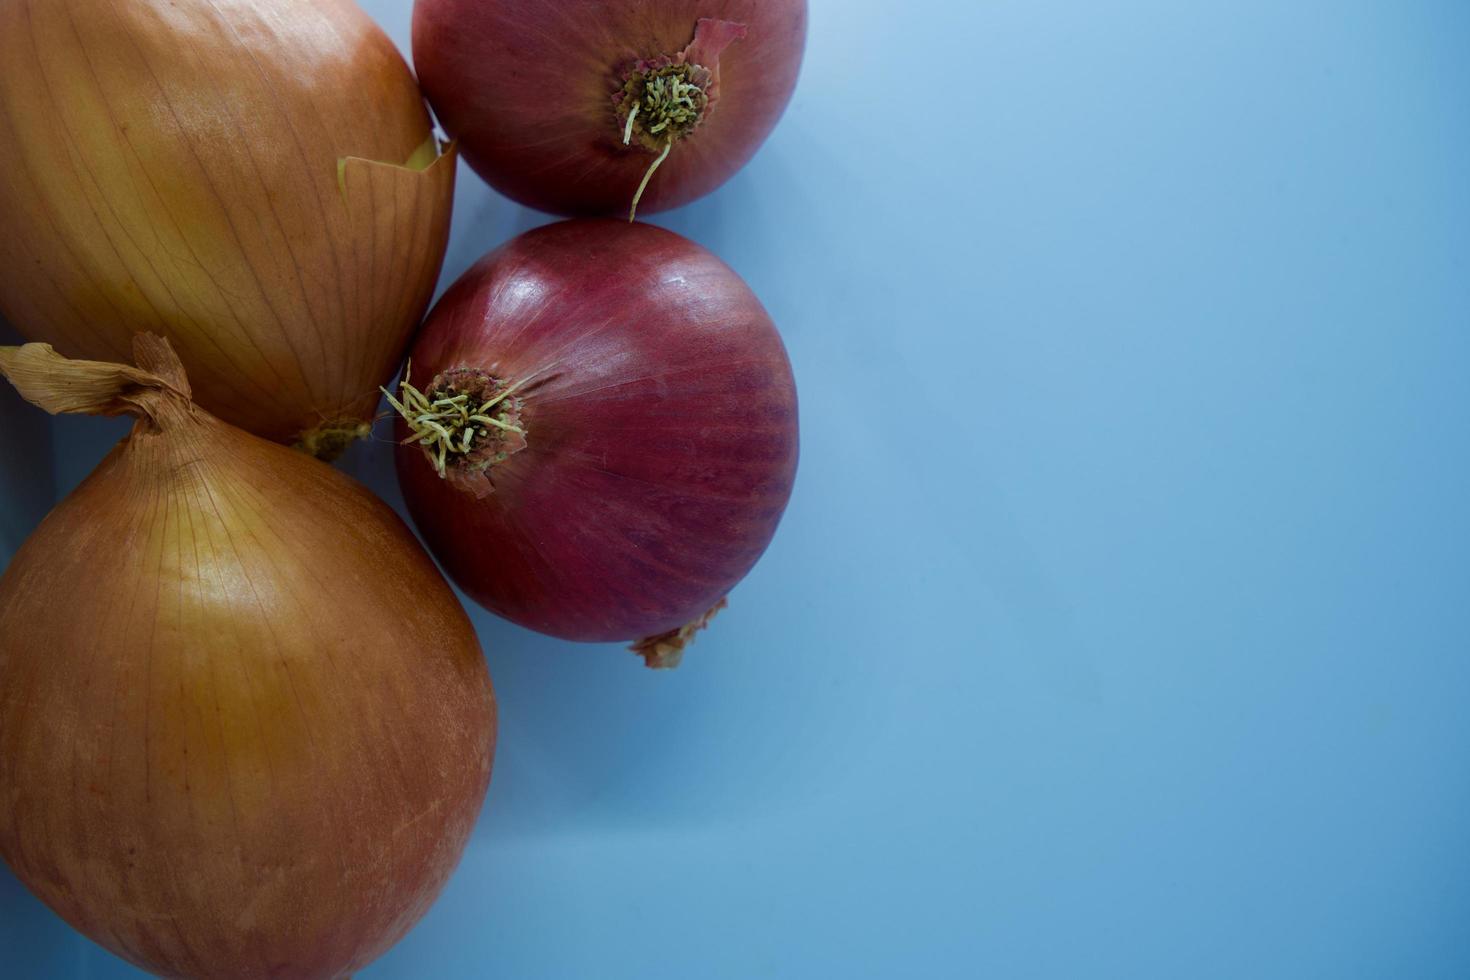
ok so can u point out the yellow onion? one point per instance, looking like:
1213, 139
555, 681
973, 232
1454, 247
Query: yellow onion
255, 180
245, 727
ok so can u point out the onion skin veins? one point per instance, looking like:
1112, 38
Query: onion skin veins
658, 436
255, 180
245, 726
539, 95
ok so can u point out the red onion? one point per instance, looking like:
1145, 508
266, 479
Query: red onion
542, 93
606, 435
245, 727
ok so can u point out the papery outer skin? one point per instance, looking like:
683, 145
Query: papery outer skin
245, 727
173, 167
661, 431
526, 87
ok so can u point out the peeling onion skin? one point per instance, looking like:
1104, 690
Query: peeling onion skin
526, 87
661, 431
171, 166
245, 726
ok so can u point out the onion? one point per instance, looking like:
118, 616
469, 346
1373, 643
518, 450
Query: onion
256, 180
602, 433
568, 106
245, 727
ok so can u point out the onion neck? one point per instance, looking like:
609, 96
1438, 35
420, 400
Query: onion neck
156, 391
466, 420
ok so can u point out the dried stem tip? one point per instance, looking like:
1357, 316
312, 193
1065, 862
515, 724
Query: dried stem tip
465, 418
61, 385
665, 651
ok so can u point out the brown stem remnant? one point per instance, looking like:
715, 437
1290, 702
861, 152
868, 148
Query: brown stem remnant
61, 385
663, 652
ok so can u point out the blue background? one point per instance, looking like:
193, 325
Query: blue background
1120, 624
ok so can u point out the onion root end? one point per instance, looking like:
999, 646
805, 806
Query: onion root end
465, 420
330, 440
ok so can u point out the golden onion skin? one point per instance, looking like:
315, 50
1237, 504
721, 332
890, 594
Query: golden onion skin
226, 173
245, 727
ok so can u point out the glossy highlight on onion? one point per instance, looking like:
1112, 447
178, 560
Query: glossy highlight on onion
255, 180
245, 726
596, 108
599, 433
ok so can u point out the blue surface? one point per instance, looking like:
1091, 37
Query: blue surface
1119, 625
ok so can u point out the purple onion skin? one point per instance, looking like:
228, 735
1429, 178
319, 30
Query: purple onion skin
661, 431
526, 87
